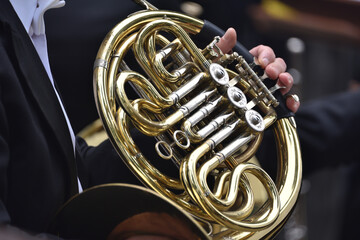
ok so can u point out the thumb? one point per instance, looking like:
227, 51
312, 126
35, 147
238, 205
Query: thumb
227, 42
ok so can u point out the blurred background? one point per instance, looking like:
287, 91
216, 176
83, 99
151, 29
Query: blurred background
319, 40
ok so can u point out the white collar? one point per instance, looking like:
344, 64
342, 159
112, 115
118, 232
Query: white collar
31, 13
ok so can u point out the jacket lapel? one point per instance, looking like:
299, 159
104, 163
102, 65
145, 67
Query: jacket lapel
40, 86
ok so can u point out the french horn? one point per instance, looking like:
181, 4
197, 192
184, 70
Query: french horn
206, 112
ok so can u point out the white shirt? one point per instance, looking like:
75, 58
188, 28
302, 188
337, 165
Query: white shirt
31, 14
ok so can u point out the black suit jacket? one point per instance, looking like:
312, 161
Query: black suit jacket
38, 171
37, 155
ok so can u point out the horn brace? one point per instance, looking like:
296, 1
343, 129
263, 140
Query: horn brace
207, 121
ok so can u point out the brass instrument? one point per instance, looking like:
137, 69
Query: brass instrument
208, 121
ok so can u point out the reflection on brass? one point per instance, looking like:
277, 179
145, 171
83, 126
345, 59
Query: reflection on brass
182, 91
94, 133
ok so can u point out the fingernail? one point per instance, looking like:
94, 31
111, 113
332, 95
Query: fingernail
295, 97
265, 61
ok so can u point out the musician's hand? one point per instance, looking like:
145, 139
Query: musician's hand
274, 67
228, 41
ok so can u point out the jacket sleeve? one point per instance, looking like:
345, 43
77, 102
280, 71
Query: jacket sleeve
101, 164
328, 129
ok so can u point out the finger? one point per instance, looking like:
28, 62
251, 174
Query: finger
286, 80
227, 42
274, 69
263, 54
293, 102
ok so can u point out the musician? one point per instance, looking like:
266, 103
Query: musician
42, 163
320, 146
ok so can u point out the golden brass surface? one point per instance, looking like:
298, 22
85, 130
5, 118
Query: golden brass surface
215, 180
